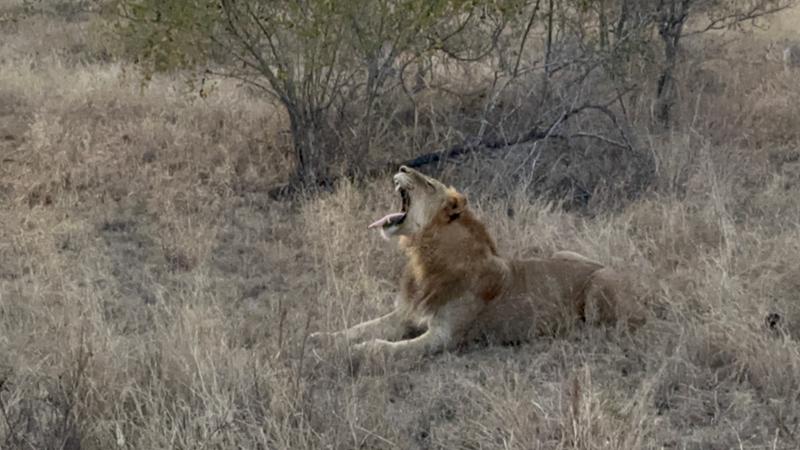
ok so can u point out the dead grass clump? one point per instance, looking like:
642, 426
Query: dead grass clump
672, 233
361, 268
152, 295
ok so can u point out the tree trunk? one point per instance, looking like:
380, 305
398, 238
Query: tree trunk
665, 87
603, 19
549, 42
312, 161
670, 29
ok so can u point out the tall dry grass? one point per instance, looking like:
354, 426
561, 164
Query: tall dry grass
153, 296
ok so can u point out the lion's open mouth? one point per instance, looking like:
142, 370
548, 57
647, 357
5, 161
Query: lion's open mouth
396, 218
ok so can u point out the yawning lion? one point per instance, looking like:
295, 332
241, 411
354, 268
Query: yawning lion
457, 288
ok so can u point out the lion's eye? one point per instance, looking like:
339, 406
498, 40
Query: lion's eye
430, 185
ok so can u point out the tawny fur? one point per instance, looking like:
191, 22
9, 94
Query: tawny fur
457, 288
450, 258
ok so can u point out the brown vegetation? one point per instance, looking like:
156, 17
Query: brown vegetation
152, 295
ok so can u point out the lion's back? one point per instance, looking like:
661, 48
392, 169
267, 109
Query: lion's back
552, 295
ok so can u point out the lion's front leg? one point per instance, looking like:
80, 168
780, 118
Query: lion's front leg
392, 326
446, 330
377, 351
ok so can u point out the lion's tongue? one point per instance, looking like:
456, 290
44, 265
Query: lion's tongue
388, 219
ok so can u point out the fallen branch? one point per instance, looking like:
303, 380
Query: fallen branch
289, 190
535, 134
463, 149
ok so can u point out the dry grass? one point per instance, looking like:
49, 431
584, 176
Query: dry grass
152, 296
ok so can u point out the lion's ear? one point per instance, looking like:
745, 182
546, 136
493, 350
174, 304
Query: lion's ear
456, 203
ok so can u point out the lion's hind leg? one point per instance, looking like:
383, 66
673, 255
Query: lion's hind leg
608, 300
573, 256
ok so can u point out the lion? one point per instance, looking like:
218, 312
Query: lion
456, 288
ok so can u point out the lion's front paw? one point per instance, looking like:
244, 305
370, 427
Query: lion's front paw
369, 357
322, 352
316, 339
320, 340
319, 345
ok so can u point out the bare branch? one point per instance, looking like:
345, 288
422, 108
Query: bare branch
599, 137
728, 20
524, 39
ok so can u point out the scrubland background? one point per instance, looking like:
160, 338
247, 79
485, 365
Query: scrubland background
154, 295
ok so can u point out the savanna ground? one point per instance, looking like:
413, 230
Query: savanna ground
152, 295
